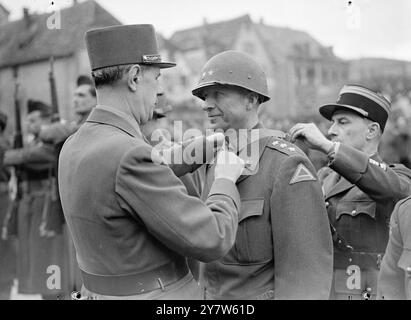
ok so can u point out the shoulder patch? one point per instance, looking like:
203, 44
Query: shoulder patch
302, 174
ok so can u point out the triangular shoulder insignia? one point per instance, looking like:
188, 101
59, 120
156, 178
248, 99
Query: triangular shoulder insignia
302, 174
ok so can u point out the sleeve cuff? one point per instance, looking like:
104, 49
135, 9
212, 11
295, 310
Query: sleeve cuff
349, 162
227, 188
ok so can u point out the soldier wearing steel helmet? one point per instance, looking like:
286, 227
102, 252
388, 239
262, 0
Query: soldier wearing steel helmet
283, 248
360, 189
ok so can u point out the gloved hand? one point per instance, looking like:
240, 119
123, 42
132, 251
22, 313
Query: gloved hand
228, 166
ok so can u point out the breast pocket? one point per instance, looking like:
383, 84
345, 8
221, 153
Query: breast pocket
253, 242
355, 208
356, 222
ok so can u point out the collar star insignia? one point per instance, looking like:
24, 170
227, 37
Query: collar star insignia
283, 145
275, 143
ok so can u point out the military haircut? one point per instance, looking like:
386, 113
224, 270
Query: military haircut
110, 75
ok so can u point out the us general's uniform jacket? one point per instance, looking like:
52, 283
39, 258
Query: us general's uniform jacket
127, 212
394, 281
283, 248
360, 194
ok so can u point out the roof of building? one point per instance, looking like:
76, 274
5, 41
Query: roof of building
279, 41
221, 34
30, 40
3, 8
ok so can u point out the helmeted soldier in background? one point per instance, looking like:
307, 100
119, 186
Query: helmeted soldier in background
360, 190
283, 248
41, 263
7, 244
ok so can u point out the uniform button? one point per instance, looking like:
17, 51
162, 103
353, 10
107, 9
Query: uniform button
354, 212
327, 204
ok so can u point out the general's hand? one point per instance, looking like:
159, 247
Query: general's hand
228, 166
311, 136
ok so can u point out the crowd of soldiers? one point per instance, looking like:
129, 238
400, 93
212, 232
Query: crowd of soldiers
122, 218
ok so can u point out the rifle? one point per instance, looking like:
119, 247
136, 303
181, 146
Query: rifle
53, 92
52, 222
10, 220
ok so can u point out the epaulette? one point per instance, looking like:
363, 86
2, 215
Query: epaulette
283, 146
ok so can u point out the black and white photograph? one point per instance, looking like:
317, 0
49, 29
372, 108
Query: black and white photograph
219, 151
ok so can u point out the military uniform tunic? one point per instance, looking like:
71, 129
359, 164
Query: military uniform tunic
360, 194
394, 282
128, 213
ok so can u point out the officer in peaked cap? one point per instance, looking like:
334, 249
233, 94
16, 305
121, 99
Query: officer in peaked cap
132, 222
360, 189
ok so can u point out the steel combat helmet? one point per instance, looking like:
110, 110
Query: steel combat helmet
236, 69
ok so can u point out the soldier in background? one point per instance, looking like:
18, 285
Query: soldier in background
41, 265
360, 190
84, 100
7, 244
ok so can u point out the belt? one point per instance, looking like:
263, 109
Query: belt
365, 260
136, 283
